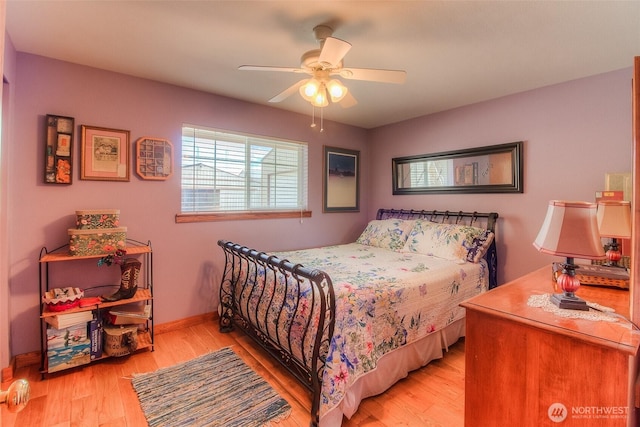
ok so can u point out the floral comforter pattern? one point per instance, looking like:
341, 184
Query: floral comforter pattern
385, 300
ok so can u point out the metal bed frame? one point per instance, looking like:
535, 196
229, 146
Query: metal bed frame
311, 297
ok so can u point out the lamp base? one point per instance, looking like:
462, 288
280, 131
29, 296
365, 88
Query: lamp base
570, 302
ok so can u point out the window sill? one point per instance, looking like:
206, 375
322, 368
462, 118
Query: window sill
232, 216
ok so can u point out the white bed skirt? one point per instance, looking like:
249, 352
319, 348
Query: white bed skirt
392, 367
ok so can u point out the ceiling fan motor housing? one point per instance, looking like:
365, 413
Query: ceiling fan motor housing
322, 32
311, 60
320, 64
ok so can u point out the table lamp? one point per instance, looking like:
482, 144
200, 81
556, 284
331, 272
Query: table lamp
614, 221
570, 230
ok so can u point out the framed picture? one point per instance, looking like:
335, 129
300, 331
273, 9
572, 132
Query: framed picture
341, 180
154, 158
104, 154
58, 167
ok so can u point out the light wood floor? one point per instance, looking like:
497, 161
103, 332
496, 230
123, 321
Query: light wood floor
101, 394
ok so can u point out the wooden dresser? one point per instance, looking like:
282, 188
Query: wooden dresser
526, 367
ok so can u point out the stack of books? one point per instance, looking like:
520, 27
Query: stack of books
67, 347
62, 321
129, 316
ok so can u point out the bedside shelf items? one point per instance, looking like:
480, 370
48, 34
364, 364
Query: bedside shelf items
84, 329
599, 275
97, 232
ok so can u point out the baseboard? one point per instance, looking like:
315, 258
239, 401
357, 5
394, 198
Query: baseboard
20, 361
33, 358
184, 323
7, 374
27, 359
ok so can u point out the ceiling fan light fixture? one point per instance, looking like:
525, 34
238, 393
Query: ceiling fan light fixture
337, 90
310, 89
320, 98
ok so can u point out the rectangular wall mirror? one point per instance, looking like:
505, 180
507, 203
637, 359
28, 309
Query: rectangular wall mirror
490, 169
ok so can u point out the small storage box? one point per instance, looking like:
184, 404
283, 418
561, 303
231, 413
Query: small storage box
97, 219
97, 242
120, 340
61, 299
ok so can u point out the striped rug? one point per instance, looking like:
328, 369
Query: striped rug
217, 389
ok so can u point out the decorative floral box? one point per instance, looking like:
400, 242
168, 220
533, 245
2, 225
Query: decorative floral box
97, 219
97, 242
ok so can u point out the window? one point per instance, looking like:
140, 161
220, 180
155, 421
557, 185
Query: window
231, 172
434, 173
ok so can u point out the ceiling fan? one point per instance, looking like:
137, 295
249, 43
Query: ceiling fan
323, 65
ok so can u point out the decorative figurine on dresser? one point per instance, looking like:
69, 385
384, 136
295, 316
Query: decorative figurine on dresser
78, 324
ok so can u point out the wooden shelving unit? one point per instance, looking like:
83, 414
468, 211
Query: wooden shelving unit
144, 293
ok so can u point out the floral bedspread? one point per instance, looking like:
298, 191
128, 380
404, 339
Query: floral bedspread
384, 300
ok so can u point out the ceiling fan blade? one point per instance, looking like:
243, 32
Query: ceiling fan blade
333, 50
288, 91
348, 101
268, 68
373, 75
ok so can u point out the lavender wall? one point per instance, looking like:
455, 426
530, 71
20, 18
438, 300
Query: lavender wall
187, 260
574, 133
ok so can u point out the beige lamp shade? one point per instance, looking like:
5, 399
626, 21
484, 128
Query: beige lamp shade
570, 230
614, 219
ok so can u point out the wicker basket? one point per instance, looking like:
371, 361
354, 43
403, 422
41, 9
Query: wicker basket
61, 299
625, 261
120, 340
597, 274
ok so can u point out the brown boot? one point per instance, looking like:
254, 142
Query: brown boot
130, 271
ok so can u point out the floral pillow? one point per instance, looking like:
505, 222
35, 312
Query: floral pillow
449, 241
480, 245
386, 233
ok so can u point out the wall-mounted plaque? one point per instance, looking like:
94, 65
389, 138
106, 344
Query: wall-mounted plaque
58, 167
154, 158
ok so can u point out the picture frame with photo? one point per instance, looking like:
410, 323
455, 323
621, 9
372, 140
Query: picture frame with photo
104, 154
341, 168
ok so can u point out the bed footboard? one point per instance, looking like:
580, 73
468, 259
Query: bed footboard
288, 309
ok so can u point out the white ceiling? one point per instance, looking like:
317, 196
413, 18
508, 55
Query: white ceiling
455, 52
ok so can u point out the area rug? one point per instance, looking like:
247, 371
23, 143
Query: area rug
217, 389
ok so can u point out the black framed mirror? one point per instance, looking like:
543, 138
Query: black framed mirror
490, 169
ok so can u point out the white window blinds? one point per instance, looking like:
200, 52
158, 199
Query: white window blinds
224, 171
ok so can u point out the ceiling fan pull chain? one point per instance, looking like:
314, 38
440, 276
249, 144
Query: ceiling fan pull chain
321, 119
313, 116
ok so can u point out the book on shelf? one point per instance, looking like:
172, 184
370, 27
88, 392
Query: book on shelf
129, 315
67, 347
95, 335
61, 321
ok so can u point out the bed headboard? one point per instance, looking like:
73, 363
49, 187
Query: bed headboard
486, 220
447, 217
